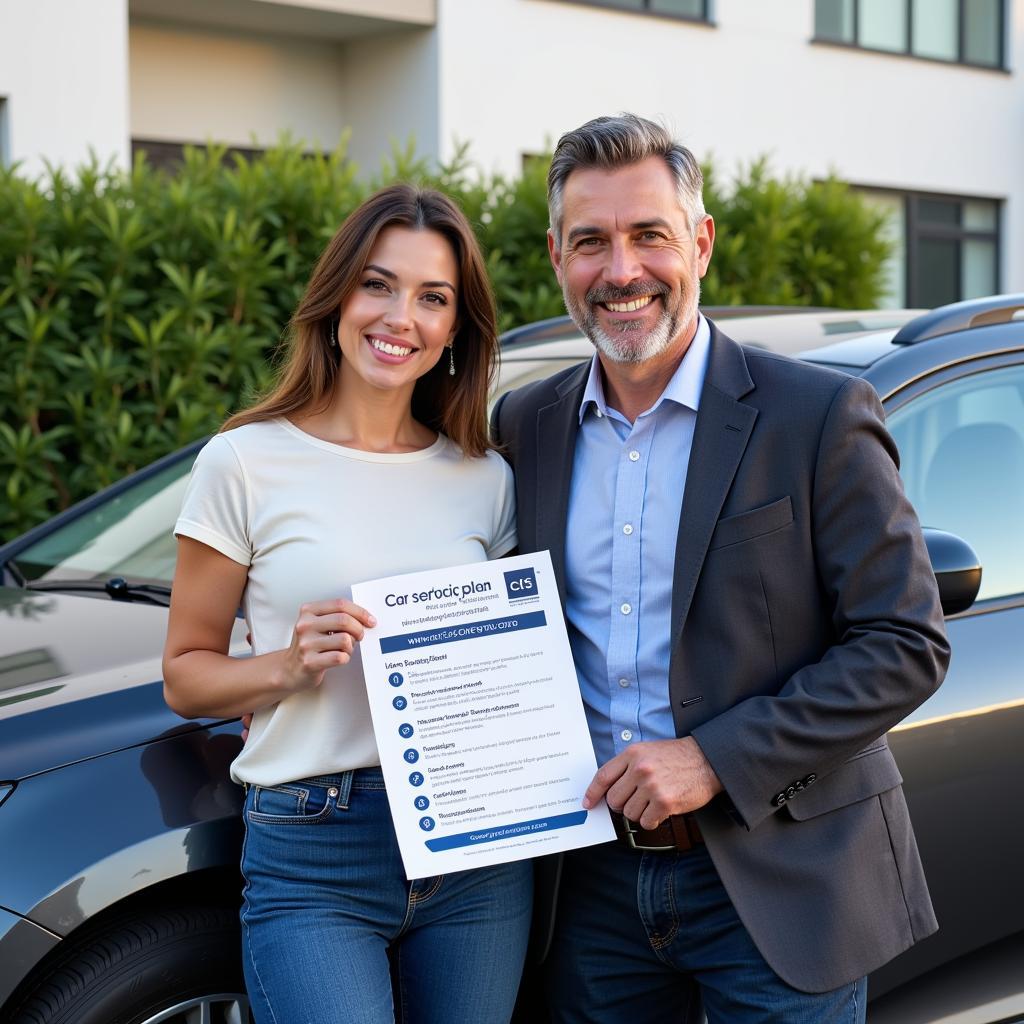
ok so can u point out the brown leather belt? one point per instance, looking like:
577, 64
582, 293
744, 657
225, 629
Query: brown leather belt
678, 833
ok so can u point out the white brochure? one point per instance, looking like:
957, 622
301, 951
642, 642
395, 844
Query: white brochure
478, 717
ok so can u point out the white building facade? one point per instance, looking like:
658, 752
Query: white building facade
921, 102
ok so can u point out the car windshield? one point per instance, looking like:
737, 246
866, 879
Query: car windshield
128, 535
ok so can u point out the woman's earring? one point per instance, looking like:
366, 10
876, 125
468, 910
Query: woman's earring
334, 337
451, 360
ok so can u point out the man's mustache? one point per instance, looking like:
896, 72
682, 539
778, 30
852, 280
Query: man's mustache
633, 290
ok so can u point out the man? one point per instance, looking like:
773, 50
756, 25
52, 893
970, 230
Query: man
750, 607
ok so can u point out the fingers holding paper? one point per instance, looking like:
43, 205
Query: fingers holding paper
325, 635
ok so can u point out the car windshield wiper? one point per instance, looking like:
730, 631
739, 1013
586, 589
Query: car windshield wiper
117, 587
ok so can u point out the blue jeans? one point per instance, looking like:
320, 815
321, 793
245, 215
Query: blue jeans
332, 932
653, 938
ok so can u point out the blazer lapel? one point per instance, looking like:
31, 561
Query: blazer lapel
557, 426
720, 437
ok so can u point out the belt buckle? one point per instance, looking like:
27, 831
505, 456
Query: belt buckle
631, 831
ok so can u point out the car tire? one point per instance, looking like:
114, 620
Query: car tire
164, 967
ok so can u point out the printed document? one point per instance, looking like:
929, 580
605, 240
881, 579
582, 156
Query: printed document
478, 717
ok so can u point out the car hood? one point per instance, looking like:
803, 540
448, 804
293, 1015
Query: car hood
79, 677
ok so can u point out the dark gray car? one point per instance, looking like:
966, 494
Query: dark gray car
120, 832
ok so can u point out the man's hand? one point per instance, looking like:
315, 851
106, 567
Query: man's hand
648, 782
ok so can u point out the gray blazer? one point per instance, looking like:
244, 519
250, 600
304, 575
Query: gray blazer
806, 622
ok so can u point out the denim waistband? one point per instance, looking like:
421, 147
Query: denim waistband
343, 783
355, 778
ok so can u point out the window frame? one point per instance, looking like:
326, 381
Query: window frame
908, 51
707, 19
914, 229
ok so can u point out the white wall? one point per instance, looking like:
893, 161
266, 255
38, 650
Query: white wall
191, 85
516, 73
64, 73
391, 89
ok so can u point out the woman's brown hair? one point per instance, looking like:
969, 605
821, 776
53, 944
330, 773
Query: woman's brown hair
454, 405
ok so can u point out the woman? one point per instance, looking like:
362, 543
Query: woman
369, 458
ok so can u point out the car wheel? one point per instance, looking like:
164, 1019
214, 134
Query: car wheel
167, 967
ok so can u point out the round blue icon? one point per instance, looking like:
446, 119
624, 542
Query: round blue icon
396, 679
412, 756
399, 703
426, 824
422, 803
416, 778
405, 729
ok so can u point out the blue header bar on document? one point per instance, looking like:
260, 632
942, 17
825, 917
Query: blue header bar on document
463, 631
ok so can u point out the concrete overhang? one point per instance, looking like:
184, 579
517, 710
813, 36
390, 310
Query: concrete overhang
321, 19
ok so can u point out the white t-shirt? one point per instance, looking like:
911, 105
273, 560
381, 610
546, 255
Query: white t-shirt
309, 519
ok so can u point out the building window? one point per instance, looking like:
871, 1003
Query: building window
688, 10
946, 248
958, 31
169, 156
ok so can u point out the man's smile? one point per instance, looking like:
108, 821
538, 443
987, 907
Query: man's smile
629, 307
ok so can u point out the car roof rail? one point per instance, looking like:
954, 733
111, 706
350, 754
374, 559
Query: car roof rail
958, 316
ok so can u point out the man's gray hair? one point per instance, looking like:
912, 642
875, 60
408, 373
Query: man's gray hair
608, 143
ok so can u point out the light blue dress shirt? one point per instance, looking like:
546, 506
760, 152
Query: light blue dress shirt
625, 498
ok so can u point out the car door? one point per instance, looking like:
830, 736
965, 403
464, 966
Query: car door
960, 432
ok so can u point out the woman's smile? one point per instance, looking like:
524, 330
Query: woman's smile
390, 350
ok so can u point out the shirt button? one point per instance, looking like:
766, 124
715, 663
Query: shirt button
625, 608
634, 456
627, 529
626, 735
599, 413
623, 683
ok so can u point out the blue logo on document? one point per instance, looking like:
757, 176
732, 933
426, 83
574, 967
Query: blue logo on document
521, 583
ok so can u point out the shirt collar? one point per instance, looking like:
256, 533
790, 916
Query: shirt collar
683, 388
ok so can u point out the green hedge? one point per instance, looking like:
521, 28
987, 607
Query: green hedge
137, 309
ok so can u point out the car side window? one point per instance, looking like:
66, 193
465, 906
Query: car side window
962, 452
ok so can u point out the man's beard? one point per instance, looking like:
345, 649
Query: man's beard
630, 343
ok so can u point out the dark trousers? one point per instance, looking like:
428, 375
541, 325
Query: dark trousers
653, 938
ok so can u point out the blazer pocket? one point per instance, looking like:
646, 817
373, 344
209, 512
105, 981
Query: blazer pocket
754, 523
866, 774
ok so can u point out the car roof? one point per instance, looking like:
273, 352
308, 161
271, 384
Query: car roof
854, 353
940, 322
888, 357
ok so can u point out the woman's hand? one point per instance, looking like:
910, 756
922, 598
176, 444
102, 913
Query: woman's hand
324, 637
200, 677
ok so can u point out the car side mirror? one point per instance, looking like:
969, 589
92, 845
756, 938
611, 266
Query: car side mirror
957, 569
